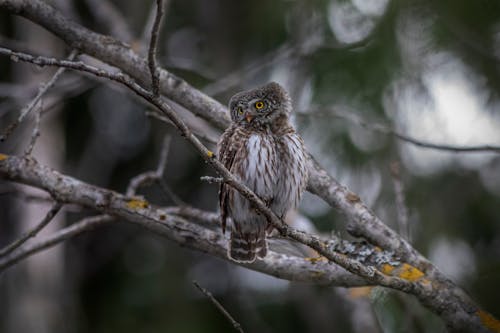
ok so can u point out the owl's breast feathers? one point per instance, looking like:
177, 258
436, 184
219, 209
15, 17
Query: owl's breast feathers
271, 162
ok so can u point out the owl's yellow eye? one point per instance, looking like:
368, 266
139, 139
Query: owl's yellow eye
259, 105
240, 111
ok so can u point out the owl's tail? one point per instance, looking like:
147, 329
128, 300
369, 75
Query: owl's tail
245, 247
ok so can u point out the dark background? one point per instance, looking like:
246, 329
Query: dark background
428, 69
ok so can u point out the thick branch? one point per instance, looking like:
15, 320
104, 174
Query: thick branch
165, 223
445, 300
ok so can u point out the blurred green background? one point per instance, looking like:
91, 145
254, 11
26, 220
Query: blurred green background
427, 69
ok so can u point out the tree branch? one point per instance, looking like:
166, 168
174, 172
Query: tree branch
444, 299
155, 74
440, 295
165, 222
219, 307
458, 307
327, 250
28, 108
59, 236
388, 130
32, 233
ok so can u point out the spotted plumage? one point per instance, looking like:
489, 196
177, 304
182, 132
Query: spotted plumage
263, 150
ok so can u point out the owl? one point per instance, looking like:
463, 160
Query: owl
262, 149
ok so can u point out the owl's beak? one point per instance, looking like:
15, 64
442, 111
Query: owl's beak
248, 118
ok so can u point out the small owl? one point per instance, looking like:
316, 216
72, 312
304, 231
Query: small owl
263, 150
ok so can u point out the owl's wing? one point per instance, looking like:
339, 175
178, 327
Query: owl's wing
226, 154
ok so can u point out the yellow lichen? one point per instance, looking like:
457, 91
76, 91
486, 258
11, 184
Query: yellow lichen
137, 204
314, 260
404, 271
409, 272
387, 269
210, 154
3, 157
359, 292
489, 321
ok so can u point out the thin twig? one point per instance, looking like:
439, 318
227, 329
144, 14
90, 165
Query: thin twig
401, 208
212, 180
162, 162
385, 129
219, 307
148, 25
43, 89
206, 137
35, 134
149, 177
33, 232
59, 236
452, 148
156, 176
155, 74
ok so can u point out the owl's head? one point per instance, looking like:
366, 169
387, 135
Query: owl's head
260, 106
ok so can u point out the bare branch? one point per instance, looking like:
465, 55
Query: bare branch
166, 223
219, 307
35, 134
33, 232
162, 162
194, 214
59, 236
437, 295
388, 130
155, 74
43, 89
116, 53
451, 148
156, 176
402, 210
212, 180
148, 25
151, 176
